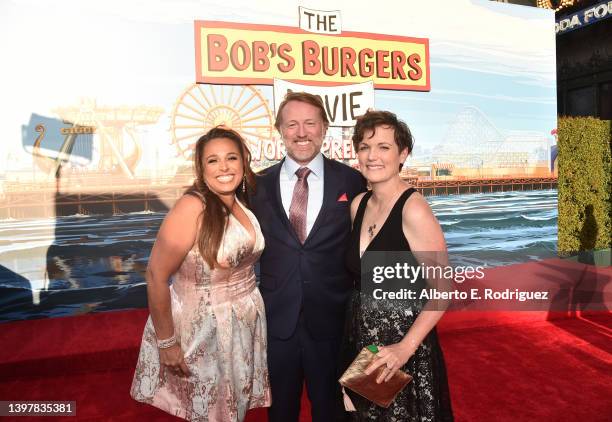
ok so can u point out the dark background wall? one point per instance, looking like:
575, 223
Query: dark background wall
584, 71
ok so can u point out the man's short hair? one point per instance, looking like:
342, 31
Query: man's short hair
375, 118
303, 97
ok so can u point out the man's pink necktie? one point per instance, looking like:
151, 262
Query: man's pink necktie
299, 203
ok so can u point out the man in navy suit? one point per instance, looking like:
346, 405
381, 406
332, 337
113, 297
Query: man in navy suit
302, 204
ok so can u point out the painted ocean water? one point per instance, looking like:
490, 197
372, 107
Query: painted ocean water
78, 264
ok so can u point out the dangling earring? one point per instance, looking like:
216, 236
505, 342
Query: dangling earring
244, 184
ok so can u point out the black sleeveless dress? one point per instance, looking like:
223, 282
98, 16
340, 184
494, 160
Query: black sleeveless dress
369, 321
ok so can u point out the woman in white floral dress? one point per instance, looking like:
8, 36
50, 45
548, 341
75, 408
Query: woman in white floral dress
203, 352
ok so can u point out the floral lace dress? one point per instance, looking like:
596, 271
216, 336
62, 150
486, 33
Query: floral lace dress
426, 398
220, 322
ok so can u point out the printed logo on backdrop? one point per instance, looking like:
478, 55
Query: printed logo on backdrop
238, 53
320, 21
342, 103
317, 56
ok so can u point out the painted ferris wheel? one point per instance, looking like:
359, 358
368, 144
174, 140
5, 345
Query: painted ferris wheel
201, 107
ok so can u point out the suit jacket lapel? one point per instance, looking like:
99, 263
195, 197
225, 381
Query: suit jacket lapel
329, 190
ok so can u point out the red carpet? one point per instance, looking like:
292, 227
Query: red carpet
503, 366
545, 370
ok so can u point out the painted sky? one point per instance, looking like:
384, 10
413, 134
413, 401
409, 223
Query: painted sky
497, 57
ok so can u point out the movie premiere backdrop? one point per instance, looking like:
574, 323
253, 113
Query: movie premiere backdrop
102, 103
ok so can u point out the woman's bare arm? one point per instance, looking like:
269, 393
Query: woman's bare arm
175, 238
426, 240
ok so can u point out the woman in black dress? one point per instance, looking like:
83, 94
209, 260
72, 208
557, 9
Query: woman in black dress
394, 217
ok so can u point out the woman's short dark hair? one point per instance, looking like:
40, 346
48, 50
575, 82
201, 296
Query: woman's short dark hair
375, 118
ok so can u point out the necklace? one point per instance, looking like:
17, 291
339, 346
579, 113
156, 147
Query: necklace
371, 230
386, 209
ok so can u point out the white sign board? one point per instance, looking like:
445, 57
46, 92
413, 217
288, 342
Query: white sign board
320, 21
342, 103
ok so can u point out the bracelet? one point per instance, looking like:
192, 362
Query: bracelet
166, 343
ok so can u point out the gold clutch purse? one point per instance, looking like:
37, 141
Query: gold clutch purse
355, 379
